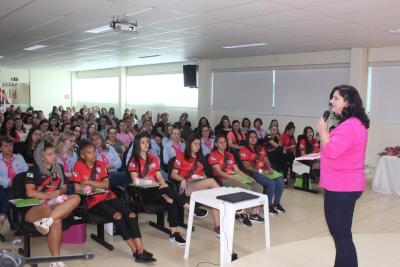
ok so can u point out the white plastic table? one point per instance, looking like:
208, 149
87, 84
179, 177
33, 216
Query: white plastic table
386, 176
227, 217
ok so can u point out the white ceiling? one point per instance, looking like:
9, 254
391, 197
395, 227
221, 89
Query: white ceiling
186, 29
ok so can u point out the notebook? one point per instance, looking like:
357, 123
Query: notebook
237, 197
27, 202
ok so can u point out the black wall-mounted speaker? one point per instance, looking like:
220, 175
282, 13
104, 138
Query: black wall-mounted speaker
190, 76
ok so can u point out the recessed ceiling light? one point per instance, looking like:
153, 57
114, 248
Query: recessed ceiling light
149, 56
100, 29
35, 47
1, 56
244, 45
395, 30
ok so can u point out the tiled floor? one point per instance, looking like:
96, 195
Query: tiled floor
375, 213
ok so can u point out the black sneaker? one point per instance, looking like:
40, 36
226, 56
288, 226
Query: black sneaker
144, 257
200, 213
279, 208
244, 219
273, 211
177, 238
256, 218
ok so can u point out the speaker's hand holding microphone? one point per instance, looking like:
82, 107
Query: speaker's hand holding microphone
322, 127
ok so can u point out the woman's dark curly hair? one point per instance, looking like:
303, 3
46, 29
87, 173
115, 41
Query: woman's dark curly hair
354, 104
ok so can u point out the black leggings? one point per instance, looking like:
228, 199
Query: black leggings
339, 209
276, 159
128, 227
154, 196
288, 164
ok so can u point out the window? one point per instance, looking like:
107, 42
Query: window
164, 90
249, 91
305, 92
384, 94
96, 90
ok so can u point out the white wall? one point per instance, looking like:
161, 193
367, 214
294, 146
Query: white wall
6, 74
49, 88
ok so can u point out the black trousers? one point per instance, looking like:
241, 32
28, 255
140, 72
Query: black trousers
277, 160
128, 227
339, 209
154, 196
288, 159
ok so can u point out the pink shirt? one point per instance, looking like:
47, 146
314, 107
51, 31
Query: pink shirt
342, 158
125, 138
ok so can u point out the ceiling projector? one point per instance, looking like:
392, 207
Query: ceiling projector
123, 25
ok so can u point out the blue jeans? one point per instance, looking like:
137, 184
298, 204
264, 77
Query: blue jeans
339, 209
273, 187
5, 195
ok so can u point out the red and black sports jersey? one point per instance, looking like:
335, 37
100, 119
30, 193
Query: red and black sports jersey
98, 173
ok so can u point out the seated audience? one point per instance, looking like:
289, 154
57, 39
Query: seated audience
90, 174
175, 147
66, 155
274, 149
246, 125
188, 171
114, 142
45, 181
27, 148
202, 122
8, 129
255, 161
224, 166
123, 134
144, 165
289, 146
10, 165
309, 143
44, 125
20, 129
111, 159
207, 143
261, 133
235, 137
224, 127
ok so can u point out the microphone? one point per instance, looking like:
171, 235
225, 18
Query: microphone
326, 115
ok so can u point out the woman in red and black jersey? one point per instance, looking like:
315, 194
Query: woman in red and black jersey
309, 143
144, 165
289, 147
224, 166
45, 181
235, 137
90, 174
255, 161
189, 172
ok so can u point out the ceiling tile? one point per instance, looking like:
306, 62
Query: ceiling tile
203, 6
13, 4
307, 3
252, 9
280, 18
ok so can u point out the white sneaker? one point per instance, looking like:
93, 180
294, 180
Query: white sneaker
58, 264
43, 225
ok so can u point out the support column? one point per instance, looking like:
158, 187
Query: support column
122, 101
359, 70
205, 89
